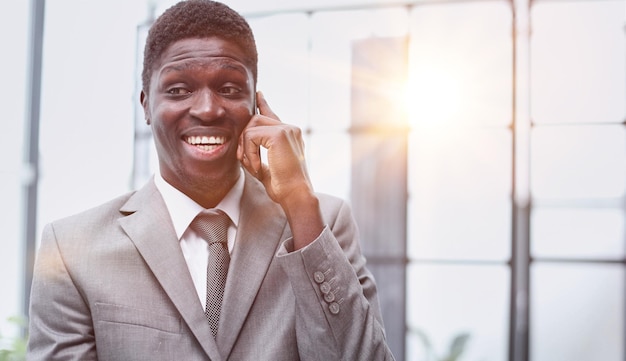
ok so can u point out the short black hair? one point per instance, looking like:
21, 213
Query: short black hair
197, 19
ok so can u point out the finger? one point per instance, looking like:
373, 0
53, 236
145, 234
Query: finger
240, 152
243, 158
249, 152
264, 108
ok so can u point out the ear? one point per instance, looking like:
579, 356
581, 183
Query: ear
143, 98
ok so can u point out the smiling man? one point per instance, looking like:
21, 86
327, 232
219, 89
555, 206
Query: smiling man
145, 277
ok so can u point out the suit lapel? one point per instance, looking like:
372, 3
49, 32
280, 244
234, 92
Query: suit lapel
261, 225
150, 228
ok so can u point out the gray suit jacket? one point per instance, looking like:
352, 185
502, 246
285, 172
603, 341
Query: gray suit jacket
112, 284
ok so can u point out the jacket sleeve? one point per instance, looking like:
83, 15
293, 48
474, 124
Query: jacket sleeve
60, 320
337, 312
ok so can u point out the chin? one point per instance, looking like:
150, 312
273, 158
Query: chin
211, 181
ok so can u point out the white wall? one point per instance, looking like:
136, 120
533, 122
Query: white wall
13, 35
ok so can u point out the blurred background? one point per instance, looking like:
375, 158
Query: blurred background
482, 145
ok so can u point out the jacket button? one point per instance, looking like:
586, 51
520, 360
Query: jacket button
329, 297
319, 277
334, 308
325, 287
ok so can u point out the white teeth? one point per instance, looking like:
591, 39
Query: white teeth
205, 140
207, 148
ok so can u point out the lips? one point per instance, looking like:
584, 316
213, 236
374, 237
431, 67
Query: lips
204, 142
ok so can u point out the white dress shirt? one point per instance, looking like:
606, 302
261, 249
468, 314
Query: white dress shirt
183, 210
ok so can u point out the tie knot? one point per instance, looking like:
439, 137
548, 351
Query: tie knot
211, 225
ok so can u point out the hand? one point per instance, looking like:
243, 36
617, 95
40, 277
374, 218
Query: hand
285, 175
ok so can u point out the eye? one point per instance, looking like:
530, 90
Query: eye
229, 90
178, 91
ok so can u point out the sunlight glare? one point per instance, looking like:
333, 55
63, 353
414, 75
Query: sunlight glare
433, 97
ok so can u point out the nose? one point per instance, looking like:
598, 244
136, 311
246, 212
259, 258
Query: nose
206, 106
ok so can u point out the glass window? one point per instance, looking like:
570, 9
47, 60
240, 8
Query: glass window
87, 104
329, 162
461, 64
578, 180
446, 300
459, 177
284, 65
578, 58
460, 186
577, 312
332, 34
578, 233
578, 162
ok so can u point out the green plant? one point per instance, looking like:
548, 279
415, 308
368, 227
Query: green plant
14, 349
456, 349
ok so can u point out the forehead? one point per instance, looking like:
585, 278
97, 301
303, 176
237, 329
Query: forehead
196, 52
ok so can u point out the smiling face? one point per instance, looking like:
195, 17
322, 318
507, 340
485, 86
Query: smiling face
201, 97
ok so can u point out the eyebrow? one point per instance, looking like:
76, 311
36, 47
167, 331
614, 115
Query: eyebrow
223, 64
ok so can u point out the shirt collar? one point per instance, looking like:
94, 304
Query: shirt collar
183, 209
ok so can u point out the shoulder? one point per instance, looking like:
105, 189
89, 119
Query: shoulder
93, 218
255, 195
334, 209
328, 200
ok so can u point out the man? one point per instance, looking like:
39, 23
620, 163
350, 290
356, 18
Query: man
128, 280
